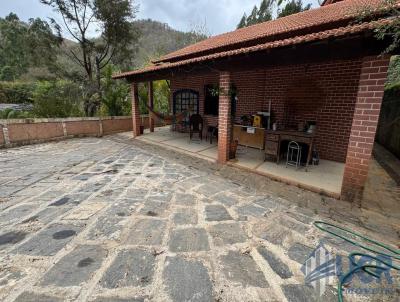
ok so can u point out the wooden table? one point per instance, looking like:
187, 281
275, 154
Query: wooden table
274, 139
249, 136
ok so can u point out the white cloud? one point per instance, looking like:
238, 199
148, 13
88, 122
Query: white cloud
219, 15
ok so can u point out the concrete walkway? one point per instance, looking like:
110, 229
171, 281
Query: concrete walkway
108, 220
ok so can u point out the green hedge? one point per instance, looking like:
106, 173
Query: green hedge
388, 132
16, 92
392, 89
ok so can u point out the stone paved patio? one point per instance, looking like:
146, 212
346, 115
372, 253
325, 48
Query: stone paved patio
106, 220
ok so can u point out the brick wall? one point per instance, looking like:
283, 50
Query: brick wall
116, 125
224, 118
29, 131
196, 82
135, 109
322, 92
35, 131
83, 128
363, 129
2, 141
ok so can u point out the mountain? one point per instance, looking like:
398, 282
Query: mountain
19, 61
157, 39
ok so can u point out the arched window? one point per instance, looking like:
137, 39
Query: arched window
186, 100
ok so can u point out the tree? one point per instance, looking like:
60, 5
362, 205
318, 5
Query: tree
265, 11
243, 21
390, 30
25, 45
115, 94
394, 72
253, 17
57, 99
198, 31
293, 7
112, 18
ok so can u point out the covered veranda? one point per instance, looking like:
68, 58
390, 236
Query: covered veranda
325, 77
325, 178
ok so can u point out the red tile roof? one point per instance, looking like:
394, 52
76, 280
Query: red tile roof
332, 20
351, 29
325, 15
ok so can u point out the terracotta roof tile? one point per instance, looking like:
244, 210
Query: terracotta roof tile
322, 16
350, 29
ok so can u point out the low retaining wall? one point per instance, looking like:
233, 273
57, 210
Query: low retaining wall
14, 132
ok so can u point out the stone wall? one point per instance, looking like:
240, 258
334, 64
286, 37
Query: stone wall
14, 132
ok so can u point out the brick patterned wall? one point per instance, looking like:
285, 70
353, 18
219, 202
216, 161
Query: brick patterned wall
151, 104
363, 129
196, 82
224, 118
30, 131
2, 141
135, 109
82, 128
323, 92
116, 125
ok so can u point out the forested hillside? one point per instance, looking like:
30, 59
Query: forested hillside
158, 38
37, 67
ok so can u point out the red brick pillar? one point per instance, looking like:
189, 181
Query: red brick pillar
151, 105
224, 117
363, 129
135, 109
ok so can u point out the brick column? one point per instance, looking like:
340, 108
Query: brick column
135, 109
224, 117
151, 105
363, 129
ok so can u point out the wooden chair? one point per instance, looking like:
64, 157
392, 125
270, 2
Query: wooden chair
212, 131
196, 125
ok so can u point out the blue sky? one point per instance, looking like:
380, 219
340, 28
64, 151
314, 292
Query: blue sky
218, 15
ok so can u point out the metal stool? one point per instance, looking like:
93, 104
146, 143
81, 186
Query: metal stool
293, 154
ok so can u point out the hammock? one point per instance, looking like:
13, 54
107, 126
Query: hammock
167, 118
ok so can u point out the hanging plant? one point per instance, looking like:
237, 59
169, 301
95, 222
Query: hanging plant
214, 90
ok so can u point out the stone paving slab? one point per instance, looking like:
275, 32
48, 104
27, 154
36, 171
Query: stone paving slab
227, 233
117, 299
187, 280
130, 268
146, 232
34, 297
242, 269
217, 213
189, 240
106, 220
49, 241
76, 267
185, 216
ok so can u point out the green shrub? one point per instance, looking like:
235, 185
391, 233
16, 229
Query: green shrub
115, 99
160, 94
16, 92
58, 99
393, 89
16, 114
